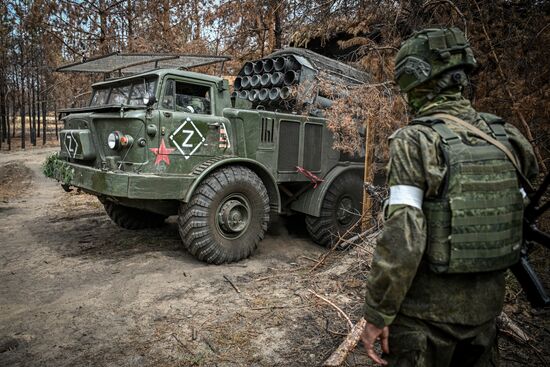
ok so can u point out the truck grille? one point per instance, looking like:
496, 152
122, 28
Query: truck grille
289, 145
313, 145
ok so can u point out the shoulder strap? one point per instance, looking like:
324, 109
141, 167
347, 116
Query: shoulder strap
474, 130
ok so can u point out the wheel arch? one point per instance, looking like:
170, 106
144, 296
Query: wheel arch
262, 172
311, 201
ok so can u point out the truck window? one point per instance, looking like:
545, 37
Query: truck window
119, 95
140, 90
130, 92
187, 97
100, 97
168, 99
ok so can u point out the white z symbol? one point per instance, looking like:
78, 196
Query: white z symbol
185, 143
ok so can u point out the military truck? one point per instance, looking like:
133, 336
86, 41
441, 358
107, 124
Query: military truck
174, 142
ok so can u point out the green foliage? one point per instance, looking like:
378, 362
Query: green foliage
56, 168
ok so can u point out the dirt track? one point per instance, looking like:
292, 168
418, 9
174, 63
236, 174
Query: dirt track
76, 290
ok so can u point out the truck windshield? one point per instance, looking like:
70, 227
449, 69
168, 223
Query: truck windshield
129, 92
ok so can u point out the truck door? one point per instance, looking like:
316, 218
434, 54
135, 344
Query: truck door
190, 131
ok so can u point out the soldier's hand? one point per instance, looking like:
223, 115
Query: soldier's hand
369, 336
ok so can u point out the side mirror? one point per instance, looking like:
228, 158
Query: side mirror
150, 101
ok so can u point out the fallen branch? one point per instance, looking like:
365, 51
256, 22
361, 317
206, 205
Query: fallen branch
233, 285
334, 306
340, 354
509, 327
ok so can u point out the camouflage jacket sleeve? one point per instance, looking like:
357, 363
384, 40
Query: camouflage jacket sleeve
414, 161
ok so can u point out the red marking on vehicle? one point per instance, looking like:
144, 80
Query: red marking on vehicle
312, 177
222, 141
162, 153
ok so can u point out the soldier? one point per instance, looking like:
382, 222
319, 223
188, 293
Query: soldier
453, 221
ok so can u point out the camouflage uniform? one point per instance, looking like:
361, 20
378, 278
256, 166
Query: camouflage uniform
436, 319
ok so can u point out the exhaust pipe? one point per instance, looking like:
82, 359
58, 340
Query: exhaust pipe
291, 64
254, 81
253, 95
248, 68
279, 64
265, 80
277, 79
245, 82
291, 77
263, 95
243, 94
259, 66
269, 65
237, 85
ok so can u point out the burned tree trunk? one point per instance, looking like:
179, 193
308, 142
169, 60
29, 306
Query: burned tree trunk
32, 111
44, 117
22, 109
38, 104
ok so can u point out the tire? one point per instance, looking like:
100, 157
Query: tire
132, 218
226, 217
340, 210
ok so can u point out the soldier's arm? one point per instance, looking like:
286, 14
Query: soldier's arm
414, 169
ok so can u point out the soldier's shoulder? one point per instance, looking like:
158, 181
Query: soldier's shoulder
491, 119
510, 129
414, 131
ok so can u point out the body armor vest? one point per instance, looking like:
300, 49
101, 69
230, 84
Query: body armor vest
475, 225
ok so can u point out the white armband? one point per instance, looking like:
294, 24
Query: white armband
523, 193
406, 195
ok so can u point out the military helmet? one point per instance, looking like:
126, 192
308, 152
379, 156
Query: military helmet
430, 52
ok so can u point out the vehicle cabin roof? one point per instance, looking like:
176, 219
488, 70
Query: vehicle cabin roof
161, 73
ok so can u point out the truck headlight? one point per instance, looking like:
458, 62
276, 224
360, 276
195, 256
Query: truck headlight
113, 140
117, 140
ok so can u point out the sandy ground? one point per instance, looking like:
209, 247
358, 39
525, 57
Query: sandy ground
76, 290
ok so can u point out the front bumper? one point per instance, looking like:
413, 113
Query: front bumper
129, 185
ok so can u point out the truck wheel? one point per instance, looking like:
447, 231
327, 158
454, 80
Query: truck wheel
226, 217
132, 218
340, 210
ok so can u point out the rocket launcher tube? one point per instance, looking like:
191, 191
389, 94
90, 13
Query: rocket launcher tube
255, 81
274, 94
258, 66
265, 80
263, 95
269, 65
248, 68
277, 79
237, 85
285, 93
279, 64
245, 82
253, 95
291, 77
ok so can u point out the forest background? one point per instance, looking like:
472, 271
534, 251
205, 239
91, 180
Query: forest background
511, 40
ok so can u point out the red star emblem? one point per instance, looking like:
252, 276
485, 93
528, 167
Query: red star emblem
162, 153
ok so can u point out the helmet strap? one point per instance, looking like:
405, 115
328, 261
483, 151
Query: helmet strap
450, 79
